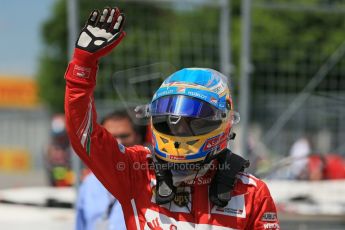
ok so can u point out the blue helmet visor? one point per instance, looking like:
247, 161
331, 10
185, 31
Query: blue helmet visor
181, 105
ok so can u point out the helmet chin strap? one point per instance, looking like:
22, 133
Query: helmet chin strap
224, 180
165, 190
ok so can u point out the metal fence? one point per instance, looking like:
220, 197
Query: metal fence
156, 46
298, 88
27, 131
288, 99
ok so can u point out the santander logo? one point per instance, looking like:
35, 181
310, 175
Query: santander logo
214, 141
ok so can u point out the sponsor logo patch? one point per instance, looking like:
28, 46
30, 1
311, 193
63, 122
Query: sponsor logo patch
200, 180
175, 205
181, 90
214, 141
230, 210
213, 100
159, 221
177, 157
271, 226
154, 224
219, 88
181, 199
196, 94
82, 72
269, 216
235, 207
165, 92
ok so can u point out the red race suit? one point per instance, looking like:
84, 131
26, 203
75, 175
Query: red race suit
127, 174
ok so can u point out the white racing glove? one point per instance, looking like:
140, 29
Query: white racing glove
102, 33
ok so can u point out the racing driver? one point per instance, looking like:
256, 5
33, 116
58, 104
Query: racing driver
190, 179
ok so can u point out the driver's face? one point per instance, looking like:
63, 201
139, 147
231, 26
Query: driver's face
123, 131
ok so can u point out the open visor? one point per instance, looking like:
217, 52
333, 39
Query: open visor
181, 105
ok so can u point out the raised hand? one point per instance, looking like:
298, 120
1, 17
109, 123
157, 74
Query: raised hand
102, 32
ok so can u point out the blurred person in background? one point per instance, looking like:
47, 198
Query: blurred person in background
328, 166
191, 179
299, 153
96, 207
294, 166
57, 156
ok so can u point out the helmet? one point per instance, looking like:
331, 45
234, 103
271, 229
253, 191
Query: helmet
191, 116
